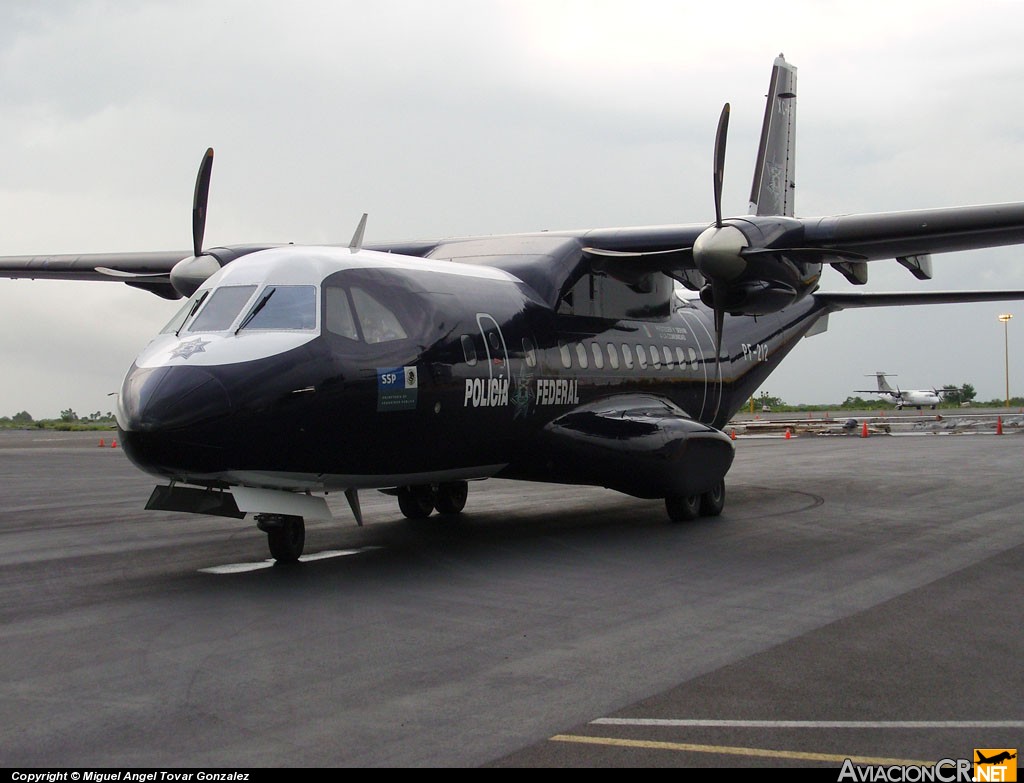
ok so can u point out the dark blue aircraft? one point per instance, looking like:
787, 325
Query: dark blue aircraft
558, 356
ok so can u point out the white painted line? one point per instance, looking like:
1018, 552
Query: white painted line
239, 568
817, 724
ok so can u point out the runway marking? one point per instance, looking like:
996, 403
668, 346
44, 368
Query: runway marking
240, 568
735, 751
816, 724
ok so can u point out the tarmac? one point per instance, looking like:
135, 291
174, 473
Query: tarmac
858, 598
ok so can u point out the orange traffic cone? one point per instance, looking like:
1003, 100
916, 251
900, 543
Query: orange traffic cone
732, 434
788, 434
864, 430
113, 443
102, 444
999, 425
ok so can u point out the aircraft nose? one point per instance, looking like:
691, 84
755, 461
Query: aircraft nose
169, 398
165, 415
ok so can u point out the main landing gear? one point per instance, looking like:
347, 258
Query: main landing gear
286, 535
421, 500
683, 508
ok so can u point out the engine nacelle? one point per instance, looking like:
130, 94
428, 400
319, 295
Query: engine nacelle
753, 297
190, 273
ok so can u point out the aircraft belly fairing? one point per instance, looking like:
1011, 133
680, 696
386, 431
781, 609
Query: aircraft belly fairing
641, 445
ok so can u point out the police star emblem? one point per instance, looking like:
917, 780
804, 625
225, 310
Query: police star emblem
185, 350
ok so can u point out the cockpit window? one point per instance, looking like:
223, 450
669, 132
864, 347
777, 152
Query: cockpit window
338, 313
377, 322
283, 307
221, 309
186, 310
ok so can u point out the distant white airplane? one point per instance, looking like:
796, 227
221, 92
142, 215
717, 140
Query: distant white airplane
899, 398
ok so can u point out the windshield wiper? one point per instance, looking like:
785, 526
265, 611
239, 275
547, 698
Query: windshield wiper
192, 311
253, 313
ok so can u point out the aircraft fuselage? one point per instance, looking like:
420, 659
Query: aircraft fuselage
365, 369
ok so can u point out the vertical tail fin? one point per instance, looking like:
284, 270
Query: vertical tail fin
883, 385
774, 190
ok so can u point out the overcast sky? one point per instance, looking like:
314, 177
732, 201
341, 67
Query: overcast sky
450, 118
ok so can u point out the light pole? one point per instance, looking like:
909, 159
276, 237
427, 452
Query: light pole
1005, 318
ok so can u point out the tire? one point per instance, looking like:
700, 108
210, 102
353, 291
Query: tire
682, 508
713, 501
416, 502
451, 497
287, 540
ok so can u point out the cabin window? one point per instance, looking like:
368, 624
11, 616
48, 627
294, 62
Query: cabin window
530, 352
668, 355
581, 355
641, 357
627, 356
468, 351
680, 358
222, 308
563, 350
655, 357
377, 322
283, 307
598, 356
693, 356
613, 356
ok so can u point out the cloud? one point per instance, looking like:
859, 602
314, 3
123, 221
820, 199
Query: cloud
461, 118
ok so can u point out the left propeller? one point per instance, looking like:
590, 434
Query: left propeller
190, 273
199, 202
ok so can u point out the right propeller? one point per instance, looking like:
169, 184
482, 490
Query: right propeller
717, 252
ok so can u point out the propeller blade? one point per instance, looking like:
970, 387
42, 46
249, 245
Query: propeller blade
199, 200
720, 136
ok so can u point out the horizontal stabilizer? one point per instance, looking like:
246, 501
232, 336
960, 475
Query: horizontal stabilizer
847, 301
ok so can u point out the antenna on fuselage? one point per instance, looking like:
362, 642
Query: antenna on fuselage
357, 238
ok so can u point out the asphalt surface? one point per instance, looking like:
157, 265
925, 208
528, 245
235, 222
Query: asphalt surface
858, 598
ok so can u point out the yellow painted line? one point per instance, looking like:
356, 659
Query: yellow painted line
733, 751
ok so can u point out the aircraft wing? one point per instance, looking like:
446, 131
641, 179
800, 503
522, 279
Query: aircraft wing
639, 444
146, 270
90, 266
876, 236
873, 236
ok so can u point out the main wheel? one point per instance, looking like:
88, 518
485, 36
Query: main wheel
682, 508
451, 497
416, 502
287, 539
713, 501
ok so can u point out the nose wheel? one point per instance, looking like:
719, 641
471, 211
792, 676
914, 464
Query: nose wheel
286, 535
